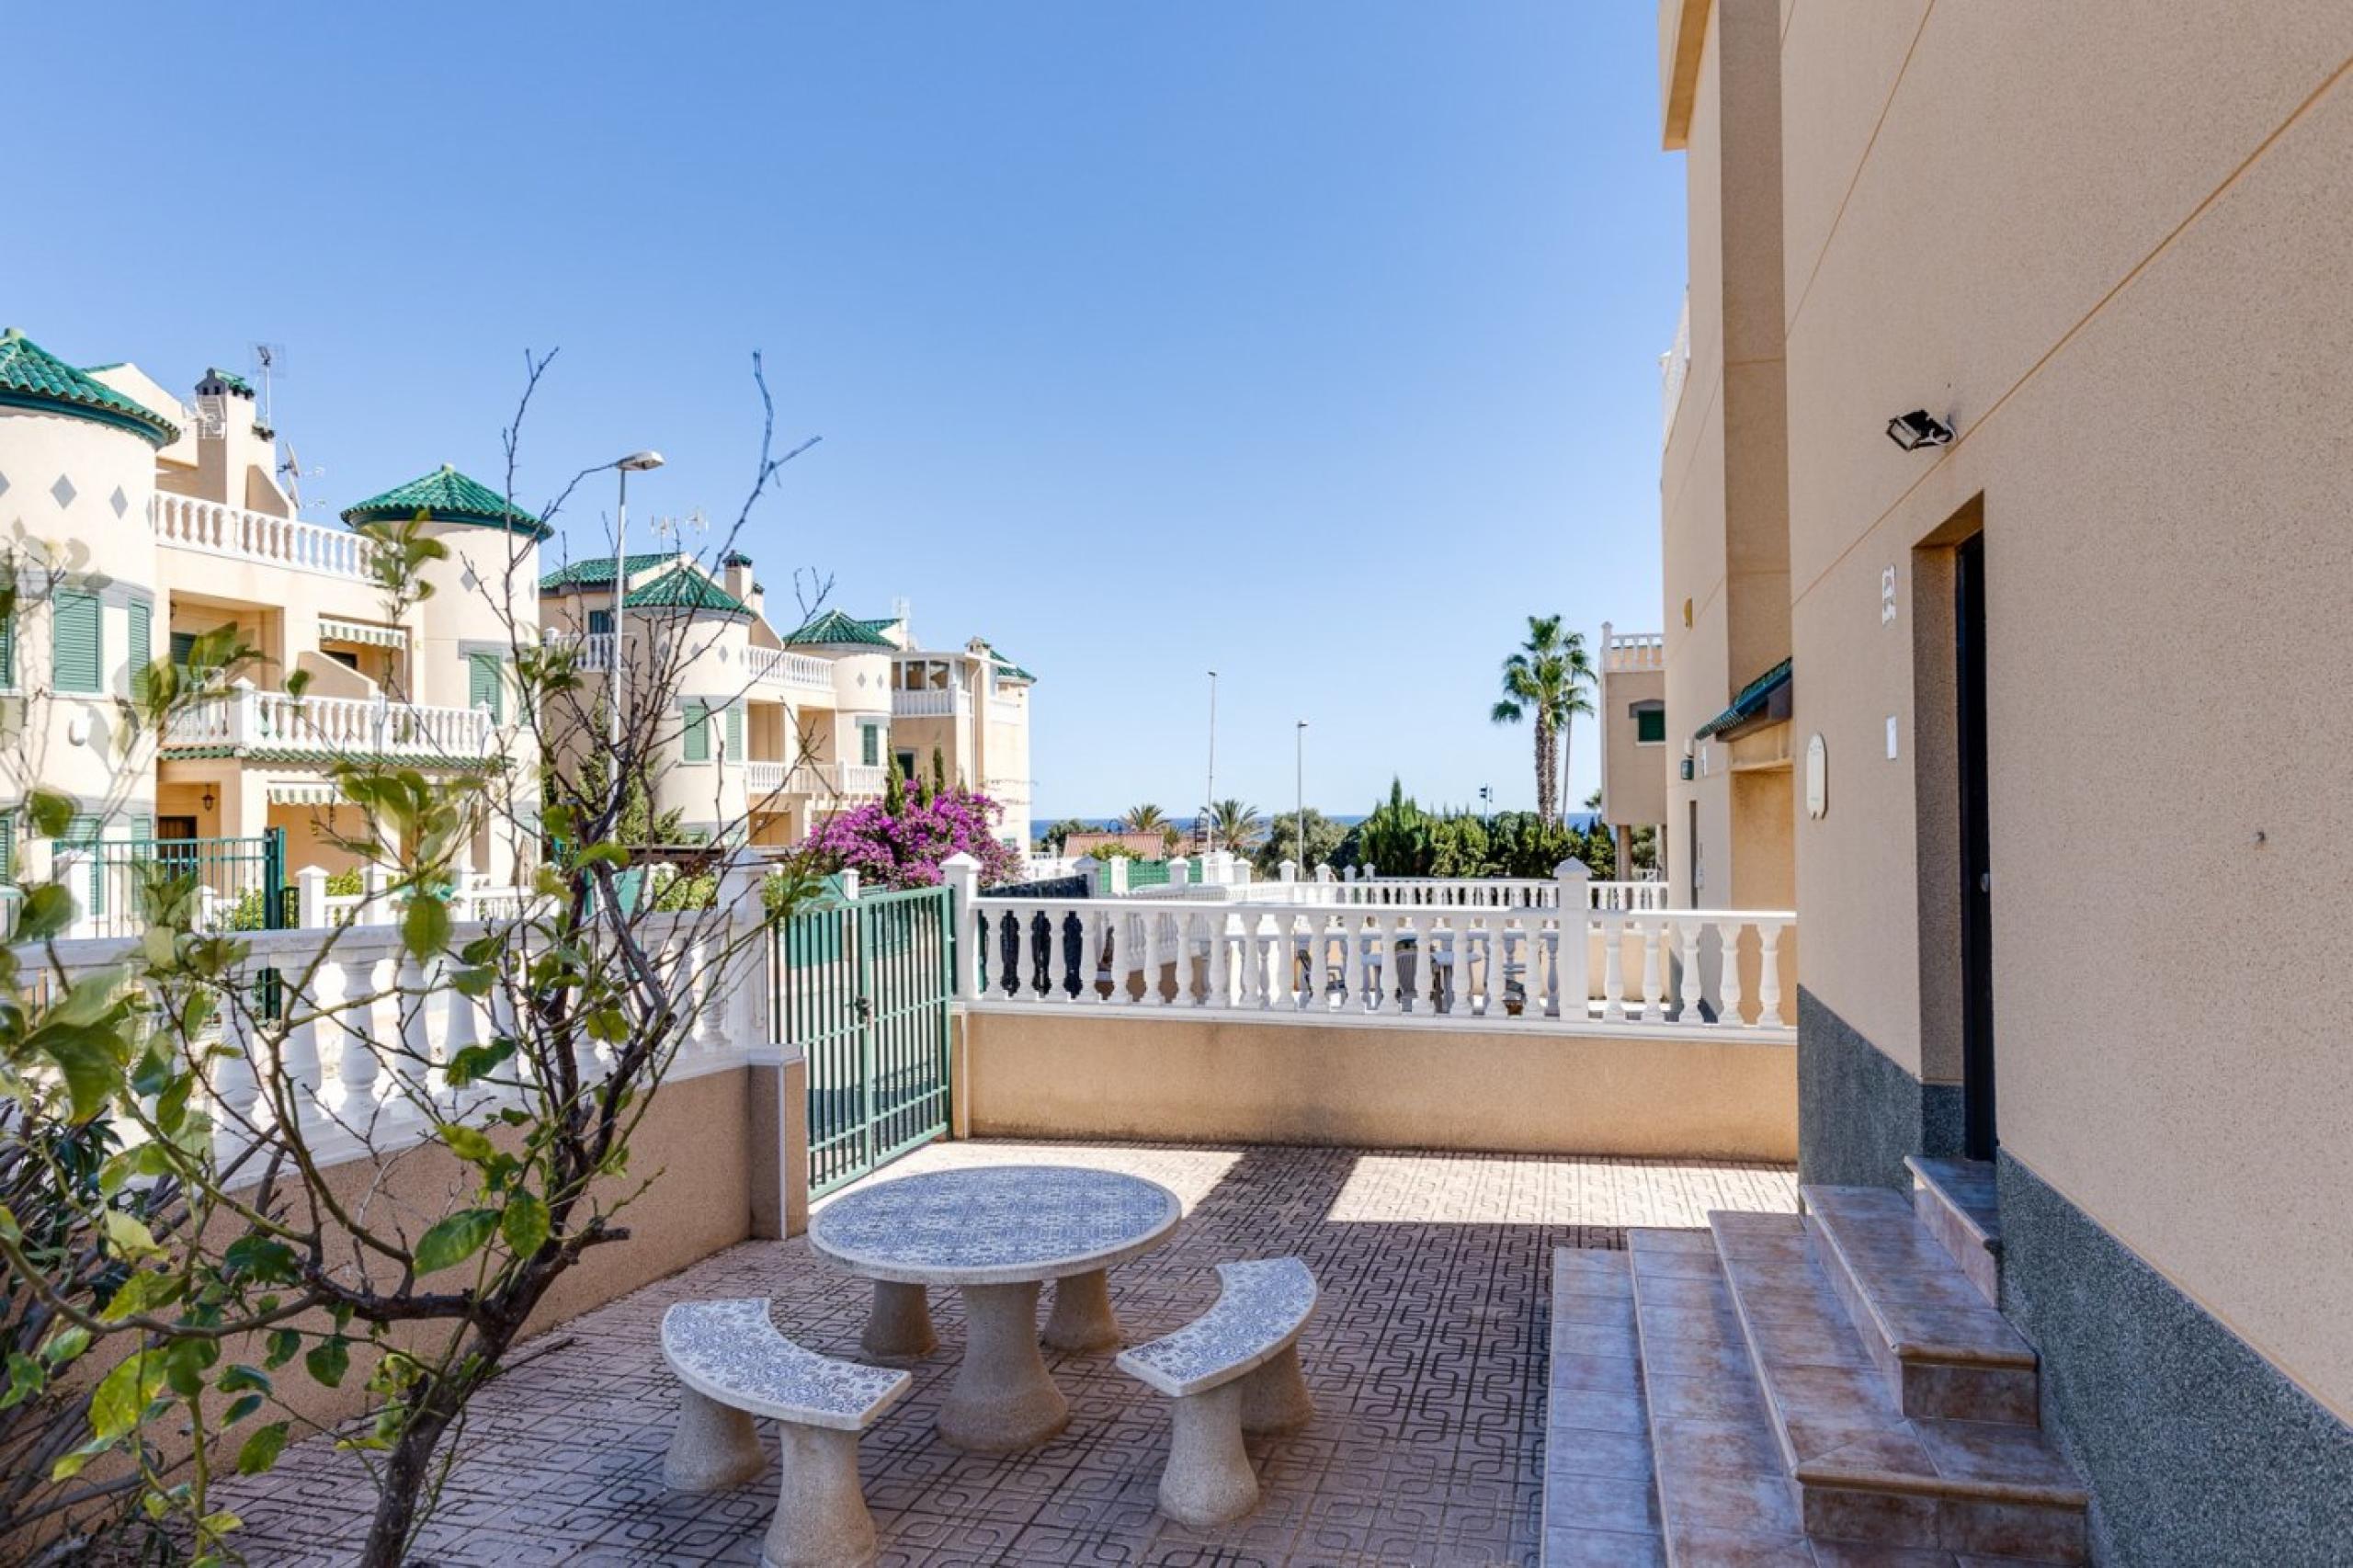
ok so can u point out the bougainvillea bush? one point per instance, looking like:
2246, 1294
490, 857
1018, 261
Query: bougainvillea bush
901, 843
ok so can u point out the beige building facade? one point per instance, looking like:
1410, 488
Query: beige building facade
135, 521
2062, 733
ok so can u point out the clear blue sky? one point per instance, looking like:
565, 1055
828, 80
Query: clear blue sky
1314, 343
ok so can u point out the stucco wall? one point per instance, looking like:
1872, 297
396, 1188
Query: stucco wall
2119, 265
1044, 1074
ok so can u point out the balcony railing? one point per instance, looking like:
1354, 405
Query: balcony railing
186, 523
803, 672
1459, 965
941, 703
821, 780
248, 722
1624, 650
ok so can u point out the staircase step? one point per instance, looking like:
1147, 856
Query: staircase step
1955, 1203
1724, 1495
1598, 1502
1865, 1472
1943, 1349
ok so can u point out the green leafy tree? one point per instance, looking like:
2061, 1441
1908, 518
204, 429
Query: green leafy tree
1057, 835
1328, 844
1547, 682
190, 1063
1396, 839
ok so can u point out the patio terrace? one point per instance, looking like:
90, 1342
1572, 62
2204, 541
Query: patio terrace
1428, 1359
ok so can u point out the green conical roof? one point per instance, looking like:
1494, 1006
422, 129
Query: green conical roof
446, 495
683, 587
835, 629
31, 376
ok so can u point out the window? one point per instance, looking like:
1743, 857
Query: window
600, 623
484, 688
85, 830
869, 745
1650, 723
735, 733
698, 736
77, 642
344, 657
906, 761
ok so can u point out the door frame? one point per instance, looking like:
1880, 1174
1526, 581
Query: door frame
1980, 1131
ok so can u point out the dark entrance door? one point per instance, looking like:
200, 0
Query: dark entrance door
1978, 1135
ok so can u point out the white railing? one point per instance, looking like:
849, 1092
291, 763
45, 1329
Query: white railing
186, 523
369, 1023
762, 779
591, 652
1457, 965
245, 719
823, 779
1453, 892
854, 780
943, 704
782, 667
1627, 651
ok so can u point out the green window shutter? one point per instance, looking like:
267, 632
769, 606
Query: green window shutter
85, 830
7, 846
8, 651
697, 731
869, 745
143, 644
78, 646
183, 649
484, 688
1649, 725
735, 733
600, 623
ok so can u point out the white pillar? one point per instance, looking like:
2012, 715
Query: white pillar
1180, 872
1573, 962
310, 898
962, 874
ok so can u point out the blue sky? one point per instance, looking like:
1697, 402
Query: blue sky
1314, 342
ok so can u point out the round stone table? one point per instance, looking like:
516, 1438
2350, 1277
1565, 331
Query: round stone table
996, 1233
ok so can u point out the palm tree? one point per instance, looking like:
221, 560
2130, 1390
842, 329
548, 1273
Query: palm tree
1547, 680
1236, 827
1144, 819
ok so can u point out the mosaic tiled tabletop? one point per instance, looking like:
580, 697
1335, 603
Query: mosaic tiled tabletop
1425, 1357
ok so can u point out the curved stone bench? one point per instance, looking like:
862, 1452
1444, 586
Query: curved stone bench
1231, 1370
732, 1365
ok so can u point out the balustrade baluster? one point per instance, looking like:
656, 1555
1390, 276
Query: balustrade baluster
1689, 1013
1653, 933
1613, 969
1151, 951
1768, 974
1728, 973
1218, 993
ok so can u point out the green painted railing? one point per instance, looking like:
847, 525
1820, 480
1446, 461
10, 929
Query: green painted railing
863, 986
130, 881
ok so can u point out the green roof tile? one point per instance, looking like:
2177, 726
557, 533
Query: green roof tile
835, 629
1756, 698
446, 495
1006, 668
596, 570
683, 587
31, 376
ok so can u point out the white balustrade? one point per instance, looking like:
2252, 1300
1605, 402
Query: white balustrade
246, 718
932, 703
186, 523
1459, 963
781, 666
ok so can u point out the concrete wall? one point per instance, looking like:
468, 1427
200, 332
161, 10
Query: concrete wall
2116, 257
1635, 776
1044, 1074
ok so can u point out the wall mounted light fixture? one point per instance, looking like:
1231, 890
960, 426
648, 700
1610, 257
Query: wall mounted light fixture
1918, 429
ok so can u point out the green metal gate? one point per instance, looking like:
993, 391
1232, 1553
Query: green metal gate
864, 987
239, 884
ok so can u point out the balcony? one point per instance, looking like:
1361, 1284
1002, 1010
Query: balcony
818, 780
1626, 652
272, 726
794, 672
942, 702
182, 522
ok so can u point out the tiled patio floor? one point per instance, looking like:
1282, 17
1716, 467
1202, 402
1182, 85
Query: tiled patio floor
1426, 1360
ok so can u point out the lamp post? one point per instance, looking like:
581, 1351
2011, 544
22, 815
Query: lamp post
636, 462
1486, 806
1299, 802
1209, 805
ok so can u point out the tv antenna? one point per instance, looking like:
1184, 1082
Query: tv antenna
676, 527
269, 362
291, 470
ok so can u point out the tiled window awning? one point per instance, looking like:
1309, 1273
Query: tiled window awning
305, 792
1765, 700
338, 629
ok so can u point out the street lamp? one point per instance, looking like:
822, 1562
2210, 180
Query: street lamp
636, 462
1209, 806
1486, 806
1298, 818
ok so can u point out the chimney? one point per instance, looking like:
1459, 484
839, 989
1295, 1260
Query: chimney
738, 580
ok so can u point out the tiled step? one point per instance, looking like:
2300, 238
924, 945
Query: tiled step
1954, 1201
1723, 1494
1598, 1505
1944, 1352
1865, 1473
